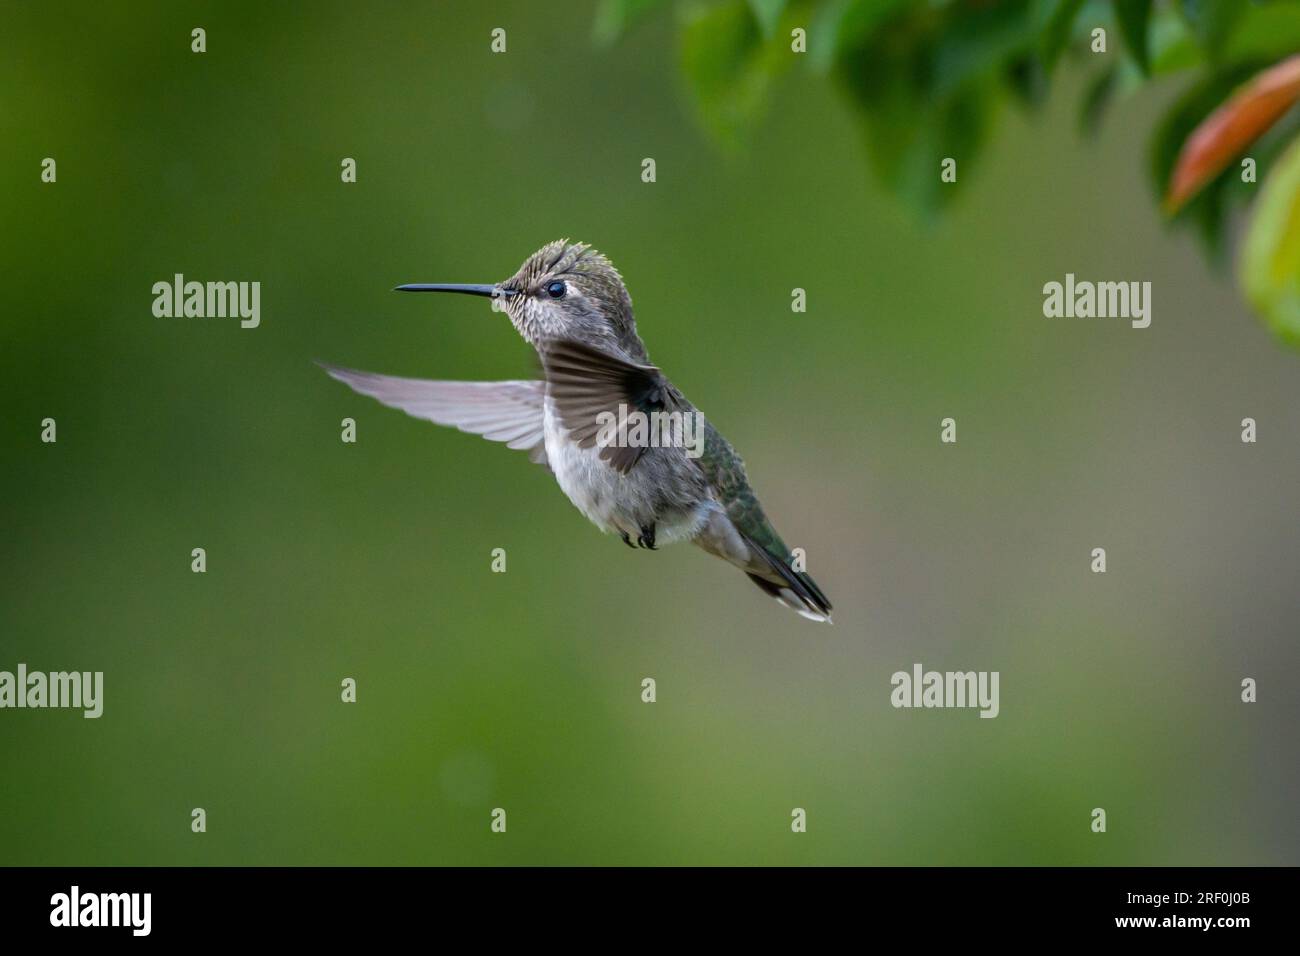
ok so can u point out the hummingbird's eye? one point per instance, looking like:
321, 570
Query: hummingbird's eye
555, 290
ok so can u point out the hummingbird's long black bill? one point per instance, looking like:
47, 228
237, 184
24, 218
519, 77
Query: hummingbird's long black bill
490, 291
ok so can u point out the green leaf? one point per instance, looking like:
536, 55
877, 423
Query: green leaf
1098, 95
1171, 44
1213, 22
862, 20
957, 129
928, 82
726, 73
1208, 214
1269, 266
824, 34
908, 131
977, 40
613, 17
768, 13
1266, 32
1058, 31
1027, 81
1134, 17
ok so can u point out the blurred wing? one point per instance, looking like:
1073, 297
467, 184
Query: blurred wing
587, 383
500, 411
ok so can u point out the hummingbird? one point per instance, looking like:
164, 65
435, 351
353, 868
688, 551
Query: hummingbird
570, 304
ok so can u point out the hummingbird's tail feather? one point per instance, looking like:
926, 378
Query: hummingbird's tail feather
791, 600
766, 567
795, 589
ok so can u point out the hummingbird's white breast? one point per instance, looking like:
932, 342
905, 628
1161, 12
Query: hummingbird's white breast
614, 502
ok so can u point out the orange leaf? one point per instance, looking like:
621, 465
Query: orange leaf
1241, 120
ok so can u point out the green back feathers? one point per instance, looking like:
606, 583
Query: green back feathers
726, 473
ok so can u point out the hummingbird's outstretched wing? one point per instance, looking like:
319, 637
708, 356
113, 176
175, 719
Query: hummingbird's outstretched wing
501, 411
587, 383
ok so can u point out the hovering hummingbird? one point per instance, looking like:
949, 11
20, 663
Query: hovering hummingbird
569, 303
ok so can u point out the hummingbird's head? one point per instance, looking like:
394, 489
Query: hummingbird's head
563, 290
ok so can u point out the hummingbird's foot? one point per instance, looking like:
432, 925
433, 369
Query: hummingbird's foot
627, 540
647, 537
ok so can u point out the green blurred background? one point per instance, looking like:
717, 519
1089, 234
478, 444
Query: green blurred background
522, 690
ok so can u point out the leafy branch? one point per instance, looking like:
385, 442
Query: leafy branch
927, 80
